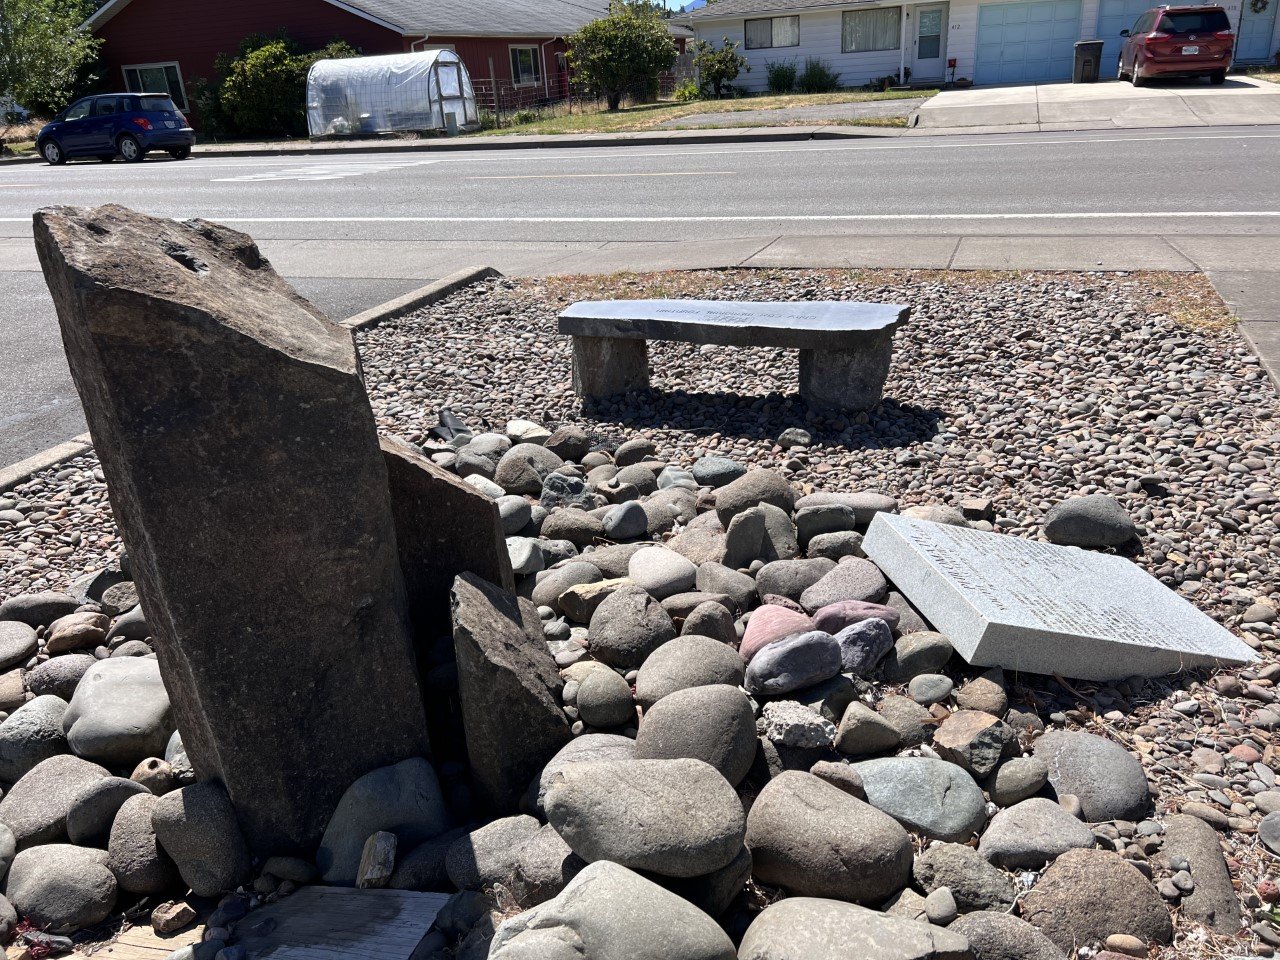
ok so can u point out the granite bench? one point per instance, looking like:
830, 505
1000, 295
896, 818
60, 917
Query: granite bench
845, 348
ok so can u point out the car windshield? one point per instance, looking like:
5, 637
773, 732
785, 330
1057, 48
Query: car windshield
158, 105
1200, 21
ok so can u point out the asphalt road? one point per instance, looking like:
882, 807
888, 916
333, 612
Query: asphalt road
353, 231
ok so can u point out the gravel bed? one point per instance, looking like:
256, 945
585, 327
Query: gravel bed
1018, 388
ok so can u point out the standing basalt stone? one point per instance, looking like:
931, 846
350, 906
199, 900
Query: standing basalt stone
244, 471
510, 691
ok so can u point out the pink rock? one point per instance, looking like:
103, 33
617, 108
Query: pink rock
769, 623
834, 617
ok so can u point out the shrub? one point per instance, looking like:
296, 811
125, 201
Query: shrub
717, 69
817, 77
625, 51
782, 76
264, 90
687, 91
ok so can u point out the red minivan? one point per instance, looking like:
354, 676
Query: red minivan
1178, 42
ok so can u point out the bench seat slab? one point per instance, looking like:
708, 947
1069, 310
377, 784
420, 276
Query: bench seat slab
607, 366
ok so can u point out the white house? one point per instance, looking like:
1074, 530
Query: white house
1003, 41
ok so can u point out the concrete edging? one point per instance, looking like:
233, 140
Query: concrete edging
24, 470
422, 297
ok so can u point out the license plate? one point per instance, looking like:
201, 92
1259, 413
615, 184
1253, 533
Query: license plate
1190, 51
174, 123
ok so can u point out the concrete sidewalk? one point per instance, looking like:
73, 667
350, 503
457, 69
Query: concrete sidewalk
1241, 101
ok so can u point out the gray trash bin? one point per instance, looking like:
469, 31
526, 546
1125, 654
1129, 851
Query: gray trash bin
1088, 58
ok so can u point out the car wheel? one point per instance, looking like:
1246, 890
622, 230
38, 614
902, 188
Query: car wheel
1120, 74
1136, 77
180, 153
1218, 77
131, 149
106, 157
52, 153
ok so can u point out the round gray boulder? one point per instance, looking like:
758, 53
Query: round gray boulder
38, 609
915, 653
688, 661
809, 928
552, 584
716, 471
930, 796
793, 662
974, 883
677, 818
1000, 936
1032, 833
628, 626
17, 643
523, 468
1093, 521
816, 840
94, 809
791, 578
852, 579
1107, 778
752, 489
608, 912
661, 572
59, 676
604, 700
134, 854
120, 713
35, 808
32, 733
588, 748
488, 855
712, 723
61, 888
197, 828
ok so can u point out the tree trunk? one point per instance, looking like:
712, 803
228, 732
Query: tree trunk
615, 100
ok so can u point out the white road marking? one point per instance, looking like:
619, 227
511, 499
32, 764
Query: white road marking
589, 176
325, 171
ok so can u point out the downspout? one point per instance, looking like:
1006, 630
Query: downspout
546, 89
413, 44
902, 47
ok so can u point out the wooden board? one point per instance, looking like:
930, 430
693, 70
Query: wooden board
316, 923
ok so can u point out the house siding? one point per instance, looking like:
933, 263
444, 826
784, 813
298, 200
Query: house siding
476, 53
820, 36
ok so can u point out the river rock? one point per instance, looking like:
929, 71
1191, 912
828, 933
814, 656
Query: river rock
59, 676
404, 799
35, 808
915, 653
862, 732
930, 796
604, 700
974, 883
1212, 901
77, 631
120, 713
808, 928
1093, 521
814, 839
17, 644
863, 645
770, 623
711, 618
488, 855
687, 661
712, 723
1087, 895
608, 912
1000, 936
589, 748
1032, 833
94, 809
792, 663
32, 733
852, 579
197, 826
1106, 778
507, 680
629, 626
523, 468
661, 572
791, 578
554, 583
285, 527
38, 609
1016, 779
61, 888
751, 489
972, 740
716, 578
677, 818
134, 854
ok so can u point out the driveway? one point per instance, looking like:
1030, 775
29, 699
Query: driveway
1100, 106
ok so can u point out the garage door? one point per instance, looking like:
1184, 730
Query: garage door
1027, 42
1114, 16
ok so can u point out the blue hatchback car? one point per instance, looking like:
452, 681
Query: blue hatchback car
109, 125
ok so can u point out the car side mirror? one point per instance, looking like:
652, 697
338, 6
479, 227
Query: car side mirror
60, 117
1124, 33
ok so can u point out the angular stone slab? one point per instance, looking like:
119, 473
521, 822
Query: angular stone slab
1039, 608
243, 466
807, 325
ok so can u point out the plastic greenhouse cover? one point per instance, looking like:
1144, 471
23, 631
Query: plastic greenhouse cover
398, 93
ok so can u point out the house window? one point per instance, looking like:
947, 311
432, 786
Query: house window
866, 30
526, 67
156, 78
773, 32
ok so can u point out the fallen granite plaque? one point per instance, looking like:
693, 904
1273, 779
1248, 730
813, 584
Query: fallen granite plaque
1039, 608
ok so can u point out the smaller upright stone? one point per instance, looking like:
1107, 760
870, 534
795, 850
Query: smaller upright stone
1093, 521
377, 861
973, 740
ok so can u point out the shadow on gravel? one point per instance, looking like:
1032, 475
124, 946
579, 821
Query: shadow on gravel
892, 425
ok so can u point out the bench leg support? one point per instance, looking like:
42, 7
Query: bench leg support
606, 366
848, 380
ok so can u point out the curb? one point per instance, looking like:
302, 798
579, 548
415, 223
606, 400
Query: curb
422, 297
24, 470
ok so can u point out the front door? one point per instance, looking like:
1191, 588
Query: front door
929, 61
1257, 21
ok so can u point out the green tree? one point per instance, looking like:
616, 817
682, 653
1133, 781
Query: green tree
626, 50
263, 91
717, 68
42, 51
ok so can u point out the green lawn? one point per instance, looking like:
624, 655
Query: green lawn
650, 116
